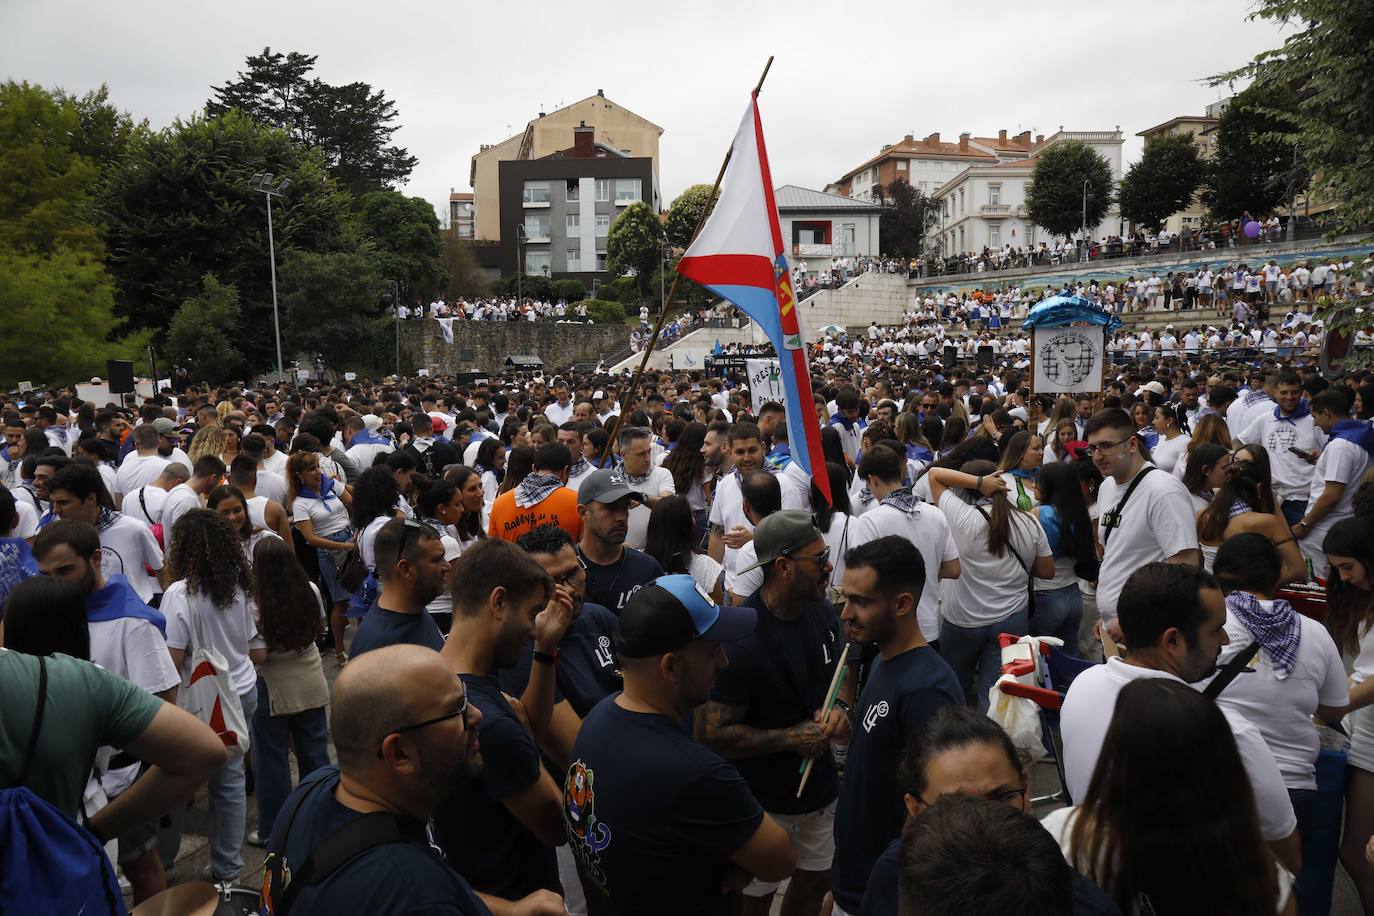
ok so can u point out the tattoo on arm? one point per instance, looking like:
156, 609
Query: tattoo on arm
723, 728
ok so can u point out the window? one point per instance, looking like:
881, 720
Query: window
603, 224
574, 259
536, 225
627, 190
603, 189
961, 200
995, 194
574, 190
601, 260
536, 192
537, 262
574, 225
847, 237
901, 165
995, 235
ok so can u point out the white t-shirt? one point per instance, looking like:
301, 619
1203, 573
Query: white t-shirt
660, 483
231, 629
364, 453
1292, 475
1344, 462
1167, 452
368, 540
273, 486
276, 463
558, 414
154, 498
1087, 713
795, 486
728, 512
928, 529
126, 547
744, 584
26, 521
1157, 523
839, 544
328, 516
180, 500
1282, 709
989, 588
139, 470
134, 650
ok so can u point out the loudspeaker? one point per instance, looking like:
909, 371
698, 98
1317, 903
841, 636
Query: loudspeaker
985, 357
951, 356
120, 373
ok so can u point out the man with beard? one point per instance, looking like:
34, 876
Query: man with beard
410, 566
729, 528
614, 571
406, 736
500, 831
1173, 622
127, 546
907, 684
766, 711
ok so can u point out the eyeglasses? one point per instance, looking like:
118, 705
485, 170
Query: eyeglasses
1091, 449
572, 575
460, 713
802, 556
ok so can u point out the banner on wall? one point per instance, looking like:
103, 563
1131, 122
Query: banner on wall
1068, 359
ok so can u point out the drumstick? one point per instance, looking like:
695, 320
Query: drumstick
830, 696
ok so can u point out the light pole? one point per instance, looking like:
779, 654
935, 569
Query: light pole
396, 310
262, 183
521, 236
665, 253
1085, 217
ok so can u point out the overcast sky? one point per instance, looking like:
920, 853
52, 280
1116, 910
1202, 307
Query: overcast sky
848, 77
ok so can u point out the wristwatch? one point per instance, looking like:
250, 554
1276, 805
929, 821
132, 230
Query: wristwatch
546, 658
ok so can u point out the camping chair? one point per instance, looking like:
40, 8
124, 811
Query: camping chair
1042, 673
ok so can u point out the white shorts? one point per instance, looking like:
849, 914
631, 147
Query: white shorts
813, 838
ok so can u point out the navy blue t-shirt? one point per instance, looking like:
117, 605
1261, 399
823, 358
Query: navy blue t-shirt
901, 695
611, 586
781, 672
586, 672
478, 833
652, 816
392, 878
381, 627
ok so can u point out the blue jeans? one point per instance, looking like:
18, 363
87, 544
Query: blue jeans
1293, 510
272, 736
1058, 613
974, 655
229, 807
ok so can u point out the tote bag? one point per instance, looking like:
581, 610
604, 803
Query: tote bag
211, 697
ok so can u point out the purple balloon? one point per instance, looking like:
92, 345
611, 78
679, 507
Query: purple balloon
1252, 230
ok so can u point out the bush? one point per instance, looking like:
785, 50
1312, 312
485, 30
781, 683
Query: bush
531, 287
603, 312
569, 290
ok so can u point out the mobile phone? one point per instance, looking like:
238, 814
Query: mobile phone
1300, 453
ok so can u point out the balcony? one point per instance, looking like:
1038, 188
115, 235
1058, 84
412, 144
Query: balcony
812, 251
995, 210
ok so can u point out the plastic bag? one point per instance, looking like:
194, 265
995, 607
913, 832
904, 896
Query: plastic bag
1019, 718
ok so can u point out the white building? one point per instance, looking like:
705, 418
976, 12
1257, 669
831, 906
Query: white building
819, 225
985, 204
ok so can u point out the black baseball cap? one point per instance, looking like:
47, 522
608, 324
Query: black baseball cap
672, 611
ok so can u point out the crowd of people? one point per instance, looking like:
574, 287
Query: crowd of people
687, 681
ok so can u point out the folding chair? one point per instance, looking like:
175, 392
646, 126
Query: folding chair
1043, 672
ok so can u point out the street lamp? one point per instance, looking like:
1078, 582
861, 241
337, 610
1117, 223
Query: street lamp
665, 252
262, 183
1085, 216
396, 310
521, 237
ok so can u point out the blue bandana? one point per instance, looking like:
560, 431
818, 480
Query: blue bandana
118, 599
327, 485
1301, 411
1356, 431
780, 457
919, 453
366, 436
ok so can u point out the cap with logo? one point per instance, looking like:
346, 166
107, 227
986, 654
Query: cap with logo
605, 486
671, 612
782, 534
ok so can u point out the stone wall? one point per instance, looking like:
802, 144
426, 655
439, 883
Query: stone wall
484, 345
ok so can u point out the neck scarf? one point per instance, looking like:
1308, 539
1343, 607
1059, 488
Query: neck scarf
366, 436
327, 488
865, 496
919, 453
779, 458
1355, 431
1277, 630
578, 467
106, 519
903, 499
118, 599
1023, 474
1239, 507
1302, 410
1254, 397
844, 421
634, 480
535, 488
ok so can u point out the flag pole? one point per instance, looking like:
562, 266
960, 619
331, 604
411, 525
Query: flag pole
672, 290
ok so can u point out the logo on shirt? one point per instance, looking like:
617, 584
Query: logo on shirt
603, 652
875, 712
587, 836
111, 563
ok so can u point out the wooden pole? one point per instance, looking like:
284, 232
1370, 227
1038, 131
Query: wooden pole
841, 669
672, 290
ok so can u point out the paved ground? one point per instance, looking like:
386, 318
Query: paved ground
194, 854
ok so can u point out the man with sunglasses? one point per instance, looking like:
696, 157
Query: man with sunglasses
765, 712
410, 565
1147, 517
406, 736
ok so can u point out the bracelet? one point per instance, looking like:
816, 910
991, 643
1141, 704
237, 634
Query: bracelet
979, 485
1302, 523
546, 658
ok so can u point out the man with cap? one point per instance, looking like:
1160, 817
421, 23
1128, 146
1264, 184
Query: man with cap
766, 711
659, 823
614, 571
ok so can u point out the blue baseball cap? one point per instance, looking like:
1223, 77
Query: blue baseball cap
672, 611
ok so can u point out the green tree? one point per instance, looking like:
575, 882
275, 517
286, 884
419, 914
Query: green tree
405, 235
602, 311
1055, 195
685, 213
1253, 157
351, 125
460, 264
329, 303
204, 334
907, 214
1162, 182
634, 244
178, 205
103, 131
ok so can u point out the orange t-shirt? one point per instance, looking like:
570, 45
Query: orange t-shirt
509, 521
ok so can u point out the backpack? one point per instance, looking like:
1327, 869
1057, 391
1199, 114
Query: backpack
427, 461
49, 862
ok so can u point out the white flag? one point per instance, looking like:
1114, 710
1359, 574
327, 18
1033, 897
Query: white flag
446, 328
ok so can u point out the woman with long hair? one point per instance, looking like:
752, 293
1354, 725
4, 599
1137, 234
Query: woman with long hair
1209, 430
491, 464
1063, 514
1349, 548
211, 599
1001, 549
1019, 464
374, 504
319, 508
519, 463
687, 464
472, 526
955, 432
1064, 409
1065, 431
673, 541
514, 433
439, 504
1171, 424
1206, 472
1244, 504
1141, 414
1168, 821
292, 692
229, 501
833, 520
833, 450
209, 440
919, 453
